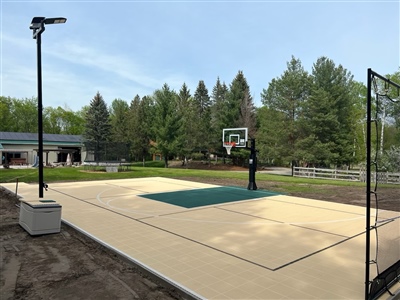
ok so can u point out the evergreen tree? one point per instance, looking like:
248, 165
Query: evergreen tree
186, 110
218, 112
271, 138
167, 123
202, 117
334, 85
285, 97
134, 127
240, 107
97, 129
319, 125
119, 121
247, 114
140, 127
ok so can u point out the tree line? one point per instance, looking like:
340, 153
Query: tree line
314, 119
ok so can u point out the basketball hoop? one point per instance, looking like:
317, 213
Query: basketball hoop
228, 146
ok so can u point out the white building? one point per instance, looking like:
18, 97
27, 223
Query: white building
22, 148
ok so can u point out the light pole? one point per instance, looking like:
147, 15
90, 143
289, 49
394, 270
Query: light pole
37, 26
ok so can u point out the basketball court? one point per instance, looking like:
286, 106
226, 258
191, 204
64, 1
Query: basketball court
216, 242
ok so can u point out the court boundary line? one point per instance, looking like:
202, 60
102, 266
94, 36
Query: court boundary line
301, 204
319, 251
287, 223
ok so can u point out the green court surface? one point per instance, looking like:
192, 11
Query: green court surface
208, 196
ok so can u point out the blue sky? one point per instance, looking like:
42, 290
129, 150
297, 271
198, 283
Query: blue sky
124, 48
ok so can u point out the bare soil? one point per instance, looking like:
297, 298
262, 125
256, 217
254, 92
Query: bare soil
69, 265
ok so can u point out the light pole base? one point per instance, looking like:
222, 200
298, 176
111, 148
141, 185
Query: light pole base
252, 186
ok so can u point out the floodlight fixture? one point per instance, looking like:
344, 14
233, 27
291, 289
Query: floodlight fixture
37, 24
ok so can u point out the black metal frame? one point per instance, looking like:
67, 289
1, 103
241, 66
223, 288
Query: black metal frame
371, 75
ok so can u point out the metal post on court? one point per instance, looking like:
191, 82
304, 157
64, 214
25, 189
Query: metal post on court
252, 166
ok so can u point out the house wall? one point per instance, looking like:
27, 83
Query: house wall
24, 151
23, 147
27, 151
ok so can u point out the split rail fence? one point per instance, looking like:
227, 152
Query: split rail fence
360, 176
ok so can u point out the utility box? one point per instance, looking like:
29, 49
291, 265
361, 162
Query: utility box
40, 217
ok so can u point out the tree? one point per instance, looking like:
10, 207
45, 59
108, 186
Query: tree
62, 121
119, 120
24, 115
319, 126
97, 130
186, 109
271, 138
285, 97
167, 123
140, 126
359, 94
6, 117
240, 107
394, 110
202, 117
218, 113
328, 116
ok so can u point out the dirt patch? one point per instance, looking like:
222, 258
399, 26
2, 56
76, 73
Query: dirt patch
66, 266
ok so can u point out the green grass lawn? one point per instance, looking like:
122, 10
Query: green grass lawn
30, 175
278, 183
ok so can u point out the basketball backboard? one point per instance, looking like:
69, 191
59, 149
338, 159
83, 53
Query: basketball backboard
235, 137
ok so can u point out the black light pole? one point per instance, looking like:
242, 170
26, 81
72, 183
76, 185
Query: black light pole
37, 26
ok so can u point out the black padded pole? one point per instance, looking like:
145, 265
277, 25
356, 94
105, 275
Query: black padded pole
252, 166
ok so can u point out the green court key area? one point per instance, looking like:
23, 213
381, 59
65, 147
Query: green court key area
208, 196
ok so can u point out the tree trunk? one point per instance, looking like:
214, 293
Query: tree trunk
166, 161
382, 130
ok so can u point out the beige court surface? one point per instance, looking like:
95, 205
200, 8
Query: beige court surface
276, 247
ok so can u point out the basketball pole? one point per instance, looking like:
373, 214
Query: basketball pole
252, 166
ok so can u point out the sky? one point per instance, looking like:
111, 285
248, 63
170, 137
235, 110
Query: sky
127, 48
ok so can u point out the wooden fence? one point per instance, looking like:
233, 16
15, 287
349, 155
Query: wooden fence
383, 177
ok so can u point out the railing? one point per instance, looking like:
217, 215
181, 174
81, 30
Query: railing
17, 161
383, 177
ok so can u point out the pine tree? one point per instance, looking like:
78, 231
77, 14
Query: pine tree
134, 127
119, 121
97, 129
285, 97
336, 84
202, 117
218, 112
140, 126
240, 106
186, 110
167, 123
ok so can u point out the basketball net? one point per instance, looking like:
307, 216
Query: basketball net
228, 146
